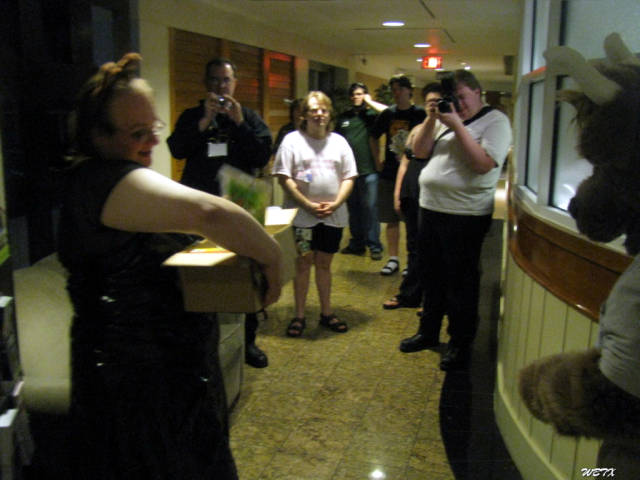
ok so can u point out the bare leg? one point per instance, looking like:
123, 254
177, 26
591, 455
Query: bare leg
323, 280
301, 282
393, 238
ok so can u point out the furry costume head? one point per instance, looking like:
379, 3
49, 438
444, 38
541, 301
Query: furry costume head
607, 204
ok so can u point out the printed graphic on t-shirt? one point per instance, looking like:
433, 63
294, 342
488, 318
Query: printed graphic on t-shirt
399, 131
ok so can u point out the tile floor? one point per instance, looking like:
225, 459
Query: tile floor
351, 406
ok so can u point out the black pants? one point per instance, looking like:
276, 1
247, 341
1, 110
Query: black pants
250, 328
449, 256
411, 288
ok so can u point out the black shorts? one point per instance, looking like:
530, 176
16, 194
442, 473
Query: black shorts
323, 237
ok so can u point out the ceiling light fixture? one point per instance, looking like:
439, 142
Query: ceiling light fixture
422, 45
393, 23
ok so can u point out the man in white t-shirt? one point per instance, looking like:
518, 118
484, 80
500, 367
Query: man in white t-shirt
457, 188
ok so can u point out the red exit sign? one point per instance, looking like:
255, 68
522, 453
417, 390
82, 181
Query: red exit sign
432, 62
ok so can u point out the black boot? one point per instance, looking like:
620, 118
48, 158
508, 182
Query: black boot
456, 357
418, 342
428, 336
253, 356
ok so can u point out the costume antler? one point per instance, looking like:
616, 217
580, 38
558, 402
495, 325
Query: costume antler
618, 52
567, 61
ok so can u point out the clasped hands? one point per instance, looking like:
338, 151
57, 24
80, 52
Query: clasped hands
322, 209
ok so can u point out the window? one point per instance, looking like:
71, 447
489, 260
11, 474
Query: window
534, 134
549, 164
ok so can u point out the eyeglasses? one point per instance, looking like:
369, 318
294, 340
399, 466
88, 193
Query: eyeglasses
142, 134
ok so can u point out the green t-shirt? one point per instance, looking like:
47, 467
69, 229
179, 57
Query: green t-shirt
354, 125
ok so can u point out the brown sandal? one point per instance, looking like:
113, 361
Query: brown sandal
296, 327
395, 302
392, 303
333, 323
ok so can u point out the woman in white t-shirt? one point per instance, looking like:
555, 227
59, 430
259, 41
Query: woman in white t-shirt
316, 168
457, 187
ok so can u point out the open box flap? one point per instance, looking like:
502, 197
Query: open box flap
279, 216
208, 254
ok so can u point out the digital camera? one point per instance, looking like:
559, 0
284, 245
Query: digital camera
448, 84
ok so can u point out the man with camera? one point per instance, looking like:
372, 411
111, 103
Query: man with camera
220, 130
457, 188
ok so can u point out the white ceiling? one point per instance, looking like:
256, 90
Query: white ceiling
478, 32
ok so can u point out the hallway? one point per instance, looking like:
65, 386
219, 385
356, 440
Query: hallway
352, 406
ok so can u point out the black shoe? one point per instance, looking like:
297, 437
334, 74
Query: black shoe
418, 342
255, 357
455, 358
349, 250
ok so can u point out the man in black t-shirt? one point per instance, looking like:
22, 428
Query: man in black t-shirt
396, 122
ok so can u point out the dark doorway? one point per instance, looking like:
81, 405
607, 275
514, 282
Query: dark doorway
51, 47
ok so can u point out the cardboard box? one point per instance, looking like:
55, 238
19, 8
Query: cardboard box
217, 280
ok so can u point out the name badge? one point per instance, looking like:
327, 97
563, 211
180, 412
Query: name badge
217, 149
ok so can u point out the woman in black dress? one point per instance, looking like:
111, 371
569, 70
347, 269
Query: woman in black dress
147, 392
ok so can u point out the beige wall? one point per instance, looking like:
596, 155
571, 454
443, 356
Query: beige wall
156, 17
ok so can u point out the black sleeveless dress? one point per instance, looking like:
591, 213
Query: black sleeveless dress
147, 397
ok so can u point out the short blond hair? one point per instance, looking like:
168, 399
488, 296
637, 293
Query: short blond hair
323, 100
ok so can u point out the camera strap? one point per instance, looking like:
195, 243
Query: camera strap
483, 111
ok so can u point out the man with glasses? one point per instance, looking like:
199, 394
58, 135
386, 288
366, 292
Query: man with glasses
220, 130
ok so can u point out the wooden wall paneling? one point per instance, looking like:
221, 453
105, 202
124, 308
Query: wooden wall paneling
266, 87
563, 454
279, 86
553, 325
514, 316
526, 339
265, 78
534, 334
578, 332
586, 456
248, 60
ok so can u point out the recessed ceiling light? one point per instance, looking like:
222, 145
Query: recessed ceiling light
393, 23
422, 45
419, 59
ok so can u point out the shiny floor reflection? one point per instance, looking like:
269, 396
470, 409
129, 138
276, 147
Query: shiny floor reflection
351, 406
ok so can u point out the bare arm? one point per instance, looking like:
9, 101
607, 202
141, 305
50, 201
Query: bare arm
402, 170
290, 186
421, 138
377, 106
145, 201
